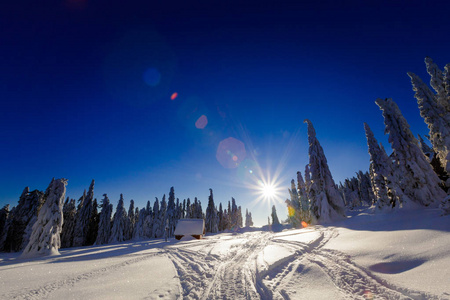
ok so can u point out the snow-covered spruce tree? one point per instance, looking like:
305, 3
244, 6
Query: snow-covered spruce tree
418, 181
45, 237
188, 213
139, 232
240, 219
385, 179
83, 217
93, 224
234, 214
211, 223
325, 200
156, 222
69, 213
104, 224
294, 206
4, 214
130, 221
248, 219
435, 109
220, 216
23, 217
303, 197
163, 216
148, 225
365, 188
274, 216
119, 223
172, 213
351, 193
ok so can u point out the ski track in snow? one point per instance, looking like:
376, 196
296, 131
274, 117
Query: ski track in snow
43, 291
235, 276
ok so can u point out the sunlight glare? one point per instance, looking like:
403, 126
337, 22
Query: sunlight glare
268, 190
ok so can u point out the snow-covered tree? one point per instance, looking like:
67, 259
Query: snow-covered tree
104, 224
93, 224
435, 108
365, 188
248, 219
4, 214
22, 219
69, 214
172, 213
45, 237
211, 222
83, 217
163, 216
139, 232
385, 179
156, 222
294, 206
130, 221
221, 220
274, 216
419, 183
326, 201
119, 223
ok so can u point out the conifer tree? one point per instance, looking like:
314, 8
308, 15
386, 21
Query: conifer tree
163, 216
294, 206
83, 217
104, 225
156, 222
93, 225
4, 214
130, 221
69, 214
119, 223
326, 202
172, 212
385, 179
248, 219
45, 237
435, 109
419, 183
139, 229
221, 220
188, 209
274, 216
22, 219
211, 215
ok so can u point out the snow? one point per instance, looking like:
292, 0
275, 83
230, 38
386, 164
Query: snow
397, 255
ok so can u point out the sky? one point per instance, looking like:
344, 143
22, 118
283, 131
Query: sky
148, 95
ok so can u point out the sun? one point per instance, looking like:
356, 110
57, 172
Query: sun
268, 190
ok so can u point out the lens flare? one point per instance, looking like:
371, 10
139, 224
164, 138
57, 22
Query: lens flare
230, 153
291, 211
174, 96
201, 122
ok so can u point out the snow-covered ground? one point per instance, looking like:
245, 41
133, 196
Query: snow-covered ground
399, 255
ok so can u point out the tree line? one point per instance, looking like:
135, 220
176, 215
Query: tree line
86, 222
413, 176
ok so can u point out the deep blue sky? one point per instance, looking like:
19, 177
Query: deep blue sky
85, 91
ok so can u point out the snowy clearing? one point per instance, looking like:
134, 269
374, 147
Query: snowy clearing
400, 255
